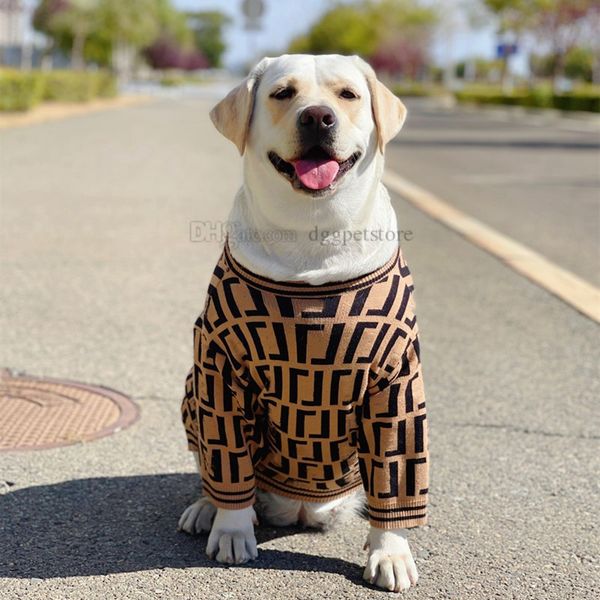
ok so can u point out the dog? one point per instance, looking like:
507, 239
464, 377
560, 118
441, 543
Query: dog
306, 396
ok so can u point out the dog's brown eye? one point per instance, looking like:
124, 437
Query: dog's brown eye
348, 94
283, 94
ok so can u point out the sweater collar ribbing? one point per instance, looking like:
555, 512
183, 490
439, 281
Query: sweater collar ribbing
298, 288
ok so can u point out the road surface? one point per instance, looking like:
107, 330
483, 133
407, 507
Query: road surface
534, 179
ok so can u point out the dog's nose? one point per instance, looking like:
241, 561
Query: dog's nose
317, 119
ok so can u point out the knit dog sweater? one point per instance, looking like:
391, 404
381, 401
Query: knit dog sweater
310, 392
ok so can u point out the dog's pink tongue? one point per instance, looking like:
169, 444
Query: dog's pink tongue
316, 174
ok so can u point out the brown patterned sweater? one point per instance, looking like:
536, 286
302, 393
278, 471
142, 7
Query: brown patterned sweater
310, 392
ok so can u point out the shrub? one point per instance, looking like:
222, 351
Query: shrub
70, 86
19, 91
106, 85
178, 78
23, 90
540, 97
583, 99
172, 81
415, 89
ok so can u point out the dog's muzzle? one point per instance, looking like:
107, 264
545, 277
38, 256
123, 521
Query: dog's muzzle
316, 126
316, 171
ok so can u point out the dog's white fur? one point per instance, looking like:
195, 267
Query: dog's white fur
268, 203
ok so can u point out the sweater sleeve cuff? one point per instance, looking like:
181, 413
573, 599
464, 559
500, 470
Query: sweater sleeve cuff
232, 499
398, 517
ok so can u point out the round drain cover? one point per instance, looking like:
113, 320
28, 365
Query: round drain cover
40, 413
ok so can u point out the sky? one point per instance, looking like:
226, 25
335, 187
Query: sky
284, 19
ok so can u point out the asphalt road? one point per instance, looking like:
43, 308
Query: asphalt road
100, 283
536, 180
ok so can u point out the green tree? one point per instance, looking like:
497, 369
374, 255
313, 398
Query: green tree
343, 30
207, 28
368, 27
558, 24
562, 25
135, 22
404, 29
514, 17
579, 64
69, 23
173, 24
392, 16
99, 30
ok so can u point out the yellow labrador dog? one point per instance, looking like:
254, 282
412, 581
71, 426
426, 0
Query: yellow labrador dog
312, 212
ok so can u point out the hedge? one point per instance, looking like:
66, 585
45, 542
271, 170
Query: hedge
415, 89
107, 84
71, 86
172, 81
20, 91
176, 79
23, 90
584, 99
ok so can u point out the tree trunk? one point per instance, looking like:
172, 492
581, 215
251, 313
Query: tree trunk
77, 60
47, 63
507, 79
596, 69
557, 69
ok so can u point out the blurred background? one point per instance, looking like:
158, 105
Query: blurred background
541, 53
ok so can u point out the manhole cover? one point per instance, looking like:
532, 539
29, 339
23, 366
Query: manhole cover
46, 413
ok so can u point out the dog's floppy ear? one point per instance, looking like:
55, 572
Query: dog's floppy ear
232, 115
389, 113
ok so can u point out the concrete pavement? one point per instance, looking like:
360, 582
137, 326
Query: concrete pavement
102, 284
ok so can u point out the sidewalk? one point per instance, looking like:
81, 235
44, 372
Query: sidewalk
101, 284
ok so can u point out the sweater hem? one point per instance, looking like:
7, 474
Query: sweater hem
309, 496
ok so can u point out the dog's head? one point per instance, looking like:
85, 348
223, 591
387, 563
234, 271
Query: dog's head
313, 120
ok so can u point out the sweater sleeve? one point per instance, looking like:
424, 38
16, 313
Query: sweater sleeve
227, 437
393, 444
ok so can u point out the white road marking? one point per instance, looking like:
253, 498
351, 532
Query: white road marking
570, 288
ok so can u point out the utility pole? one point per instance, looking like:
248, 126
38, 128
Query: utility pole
253, 11
27, 41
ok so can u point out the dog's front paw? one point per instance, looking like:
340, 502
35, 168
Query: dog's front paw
231, 538
197, 517
390, 564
